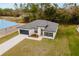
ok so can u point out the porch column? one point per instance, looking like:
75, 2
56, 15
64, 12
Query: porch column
39, 31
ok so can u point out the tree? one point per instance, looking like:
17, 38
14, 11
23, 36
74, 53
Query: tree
33, 8
74, 8
55, 5
49, 13
66, 14
42, 7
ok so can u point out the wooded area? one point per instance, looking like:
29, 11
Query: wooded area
67, 14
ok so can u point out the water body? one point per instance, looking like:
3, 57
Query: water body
4, 24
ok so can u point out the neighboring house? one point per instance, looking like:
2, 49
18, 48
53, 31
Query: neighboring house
77, 28
43, 28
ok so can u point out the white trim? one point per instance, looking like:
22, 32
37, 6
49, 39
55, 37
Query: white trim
48, 36
31, 31
22, 29
19, 31
55, 33
39, 32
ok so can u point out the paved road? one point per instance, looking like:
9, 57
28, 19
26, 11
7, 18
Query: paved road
6, 31
11, 43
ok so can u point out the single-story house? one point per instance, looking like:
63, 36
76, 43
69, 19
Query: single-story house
43, 28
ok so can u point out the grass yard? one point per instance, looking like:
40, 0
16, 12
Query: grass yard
65, 44
5, 38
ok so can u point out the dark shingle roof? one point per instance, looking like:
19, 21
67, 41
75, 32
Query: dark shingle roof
51, 26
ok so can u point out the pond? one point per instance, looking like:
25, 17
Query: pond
5, 24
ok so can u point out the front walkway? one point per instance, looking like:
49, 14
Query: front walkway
11, 43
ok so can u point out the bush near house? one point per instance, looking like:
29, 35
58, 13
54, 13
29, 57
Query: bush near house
34, 35
23, 19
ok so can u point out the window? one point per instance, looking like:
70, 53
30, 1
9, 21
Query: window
48, 34
45, 34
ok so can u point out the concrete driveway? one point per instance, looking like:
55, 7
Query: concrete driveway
11, 43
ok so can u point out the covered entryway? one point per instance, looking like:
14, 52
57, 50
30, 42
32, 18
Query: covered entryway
26, 32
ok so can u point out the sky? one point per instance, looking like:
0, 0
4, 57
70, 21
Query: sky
6, 5
11, 5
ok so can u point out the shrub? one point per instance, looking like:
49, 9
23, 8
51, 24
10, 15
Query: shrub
34, 35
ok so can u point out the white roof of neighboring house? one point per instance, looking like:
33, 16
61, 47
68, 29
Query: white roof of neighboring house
51, 26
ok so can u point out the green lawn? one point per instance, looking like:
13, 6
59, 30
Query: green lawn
5, 38
66, 43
